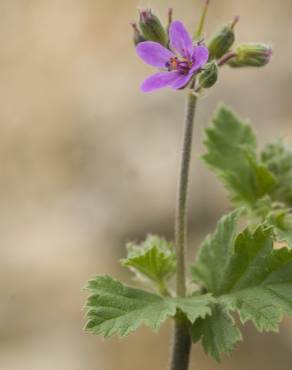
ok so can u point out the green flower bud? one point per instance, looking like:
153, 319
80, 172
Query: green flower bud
287, 222
137, 36
251, 55
151, 27
281, 218
209, 75
222, 40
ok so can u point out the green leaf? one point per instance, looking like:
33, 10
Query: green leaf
218, 332
231, 146
154, 260
114, 308
253, 278
278, 159
214, 254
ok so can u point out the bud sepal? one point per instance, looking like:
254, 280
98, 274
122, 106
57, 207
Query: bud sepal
152, 28
209, 75
221, 42
251, 55
137, 35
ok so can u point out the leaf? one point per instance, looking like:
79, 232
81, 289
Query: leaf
253, 278
214, 254
114, 308
278, 159
231, 146
218, 332
154, 259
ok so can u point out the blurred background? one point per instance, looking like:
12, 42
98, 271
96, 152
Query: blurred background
88, 163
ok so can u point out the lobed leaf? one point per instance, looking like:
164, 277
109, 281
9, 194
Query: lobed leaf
252, 278
231, 153
278, 159
218, 332
153, 260
115, 308
214, 254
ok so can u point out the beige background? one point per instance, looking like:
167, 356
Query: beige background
88, 162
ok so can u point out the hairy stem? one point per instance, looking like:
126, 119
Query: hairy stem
181, 347
182, 341
181, 206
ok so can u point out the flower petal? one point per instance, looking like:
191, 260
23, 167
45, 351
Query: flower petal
181, 81
200, 57
159, 80
153, 53
180, 40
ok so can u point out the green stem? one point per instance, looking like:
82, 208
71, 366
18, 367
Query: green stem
182, 342
201, 25
181, 347
181, 207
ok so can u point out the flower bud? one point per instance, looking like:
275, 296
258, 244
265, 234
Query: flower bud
222, 41
251, 55
137, 36
281, 218
209, 75
151, 27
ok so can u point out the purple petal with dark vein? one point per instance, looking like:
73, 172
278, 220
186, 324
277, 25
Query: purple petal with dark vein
180, 40
159, 80
153, 53
181, 81
200, 57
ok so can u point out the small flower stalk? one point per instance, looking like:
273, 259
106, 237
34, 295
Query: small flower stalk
201, 24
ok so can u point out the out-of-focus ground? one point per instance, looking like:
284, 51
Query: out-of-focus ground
87, 163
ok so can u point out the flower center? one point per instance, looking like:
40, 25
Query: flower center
182, 65
173, 64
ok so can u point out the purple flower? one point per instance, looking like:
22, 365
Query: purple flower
178, 66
